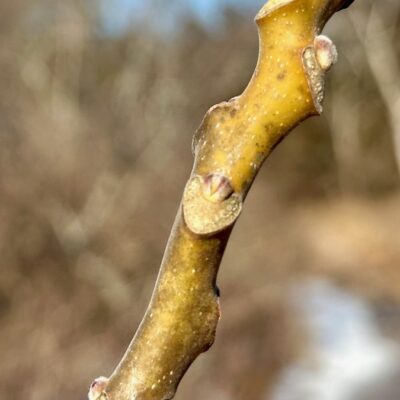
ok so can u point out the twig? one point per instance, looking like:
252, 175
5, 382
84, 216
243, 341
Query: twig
230, 146
385, 68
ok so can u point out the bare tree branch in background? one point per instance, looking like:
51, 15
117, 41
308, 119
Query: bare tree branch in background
345, 124
379, 45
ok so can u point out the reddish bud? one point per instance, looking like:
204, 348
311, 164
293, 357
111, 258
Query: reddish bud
217, 188
325, 52
97, 389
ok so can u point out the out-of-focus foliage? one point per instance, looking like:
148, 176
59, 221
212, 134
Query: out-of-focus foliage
95, 136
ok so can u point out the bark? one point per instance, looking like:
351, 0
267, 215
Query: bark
229, 148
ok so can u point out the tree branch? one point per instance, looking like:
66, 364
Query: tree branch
230, 146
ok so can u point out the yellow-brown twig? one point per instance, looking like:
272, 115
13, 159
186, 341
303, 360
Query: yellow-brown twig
230, 146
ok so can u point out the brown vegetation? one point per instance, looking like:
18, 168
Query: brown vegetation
95, 144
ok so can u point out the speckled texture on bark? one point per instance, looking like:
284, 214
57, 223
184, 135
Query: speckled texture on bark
230, 146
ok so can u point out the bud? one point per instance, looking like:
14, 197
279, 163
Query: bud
217, 188
97, 389
325, 52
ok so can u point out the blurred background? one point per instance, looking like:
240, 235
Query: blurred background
99, 100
